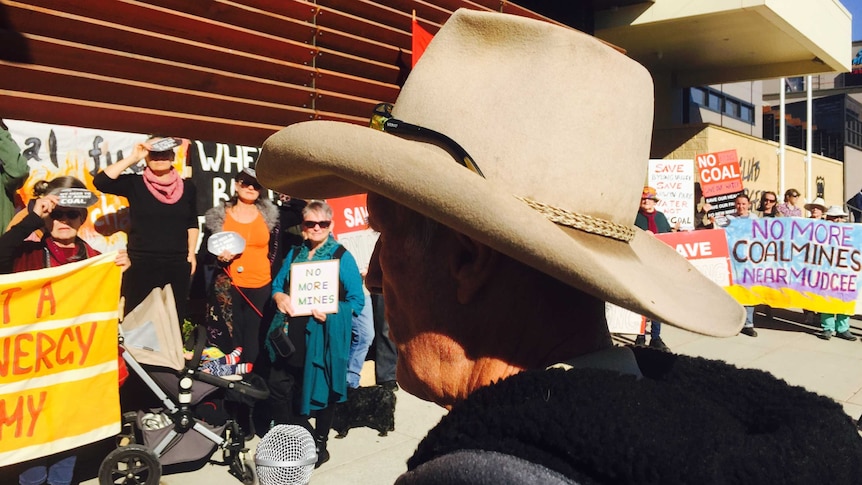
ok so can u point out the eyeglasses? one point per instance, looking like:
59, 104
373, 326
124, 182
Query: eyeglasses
311, 224
794, 195
248, 183
769, 201
68, 214
382, 120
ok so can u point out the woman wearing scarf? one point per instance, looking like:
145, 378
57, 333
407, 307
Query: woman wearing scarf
314, 377
163, 229
59, 245
655, 222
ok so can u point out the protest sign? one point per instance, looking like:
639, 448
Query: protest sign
55, 150
673, 181
350, 227
58, 358
214, 166
720, 180
705, 250
77, 198
228, 241
314, 285
795, 263
621, 320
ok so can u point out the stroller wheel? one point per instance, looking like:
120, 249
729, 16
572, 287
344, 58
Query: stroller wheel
248, 477
130, 465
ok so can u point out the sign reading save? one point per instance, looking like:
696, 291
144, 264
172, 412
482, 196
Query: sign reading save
314, 285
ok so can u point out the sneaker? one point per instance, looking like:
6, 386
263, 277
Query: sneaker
825, 334
658, 343
640, 341
846, 335
748, 331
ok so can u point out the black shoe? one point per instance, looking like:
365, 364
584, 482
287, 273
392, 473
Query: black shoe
322, 454
389, 385
825, 334
748, 331
640, 341
658, 343
846, 335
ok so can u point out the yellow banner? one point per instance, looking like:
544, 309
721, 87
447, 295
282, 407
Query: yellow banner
58, 358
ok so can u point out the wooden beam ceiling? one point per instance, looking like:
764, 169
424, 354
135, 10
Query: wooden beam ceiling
232, 71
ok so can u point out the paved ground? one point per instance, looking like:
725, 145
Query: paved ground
784, 347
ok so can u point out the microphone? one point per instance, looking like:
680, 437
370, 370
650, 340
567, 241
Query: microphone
285, 456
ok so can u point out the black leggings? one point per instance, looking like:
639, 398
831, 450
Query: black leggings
285, 387
246, 321
147, 273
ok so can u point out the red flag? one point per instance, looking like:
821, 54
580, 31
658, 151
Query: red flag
421, 39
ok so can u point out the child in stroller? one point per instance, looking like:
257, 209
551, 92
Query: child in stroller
191, 422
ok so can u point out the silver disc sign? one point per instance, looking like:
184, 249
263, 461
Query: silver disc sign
76, 198
225, 241
164, 144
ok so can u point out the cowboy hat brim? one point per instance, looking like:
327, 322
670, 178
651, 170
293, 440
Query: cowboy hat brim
319, 159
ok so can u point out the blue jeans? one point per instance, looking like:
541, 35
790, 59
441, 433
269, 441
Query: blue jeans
58, 473
362, 334
749, 316
655, 329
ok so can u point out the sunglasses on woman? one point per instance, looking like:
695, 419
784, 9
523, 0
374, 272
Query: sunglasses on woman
71, 215
249, 183
311, 224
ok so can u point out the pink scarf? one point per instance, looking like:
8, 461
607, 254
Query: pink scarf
166, 192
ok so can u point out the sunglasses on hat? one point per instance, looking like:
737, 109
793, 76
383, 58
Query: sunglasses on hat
311, 224
382, 120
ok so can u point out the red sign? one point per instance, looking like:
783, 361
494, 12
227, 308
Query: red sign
719, 173
706, 250
350, 214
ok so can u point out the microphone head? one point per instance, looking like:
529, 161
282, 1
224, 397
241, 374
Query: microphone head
285, 456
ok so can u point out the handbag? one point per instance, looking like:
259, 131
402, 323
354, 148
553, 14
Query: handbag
280, 341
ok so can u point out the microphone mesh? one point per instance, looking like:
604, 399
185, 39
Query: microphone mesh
285, 456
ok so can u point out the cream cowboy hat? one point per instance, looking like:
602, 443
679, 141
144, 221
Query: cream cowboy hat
818, 203
559, 123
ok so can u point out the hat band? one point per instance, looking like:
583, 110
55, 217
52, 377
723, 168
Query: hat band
581, 222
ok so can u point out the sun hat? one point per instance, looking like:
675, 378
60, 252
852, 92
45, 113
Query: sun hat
543, 111
649, 193
836, 211
818, 203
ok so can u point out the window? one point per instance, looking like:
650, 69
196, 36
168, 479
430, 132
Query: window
719, 102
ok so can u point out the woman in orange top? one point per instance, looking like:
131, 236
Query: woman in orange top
240, 284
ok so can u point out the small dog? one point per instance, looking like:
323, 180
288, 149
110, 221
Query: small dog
371, 406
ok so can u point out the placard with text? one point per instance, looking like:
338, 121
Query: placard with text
314, 285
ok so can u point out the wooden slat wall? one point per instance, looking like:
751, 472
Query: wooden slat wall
232, 71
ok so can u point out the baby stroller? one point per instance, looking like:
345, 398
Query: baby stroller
175, 433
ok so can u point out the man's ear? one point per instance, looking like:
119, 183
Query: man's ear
471, 265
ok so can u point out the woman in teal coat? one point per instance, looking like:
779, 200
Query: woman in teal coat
314, 376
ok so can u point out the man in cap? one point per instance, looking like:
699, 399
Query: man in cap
504, 207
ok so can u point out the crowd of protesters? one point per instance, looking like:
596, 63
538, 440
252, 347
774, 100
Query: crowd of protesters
246, 293
649, 219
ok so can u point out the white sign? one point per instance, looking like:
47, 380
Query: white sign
673, 181
77, 198
225, 241
621, 320
314, 285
